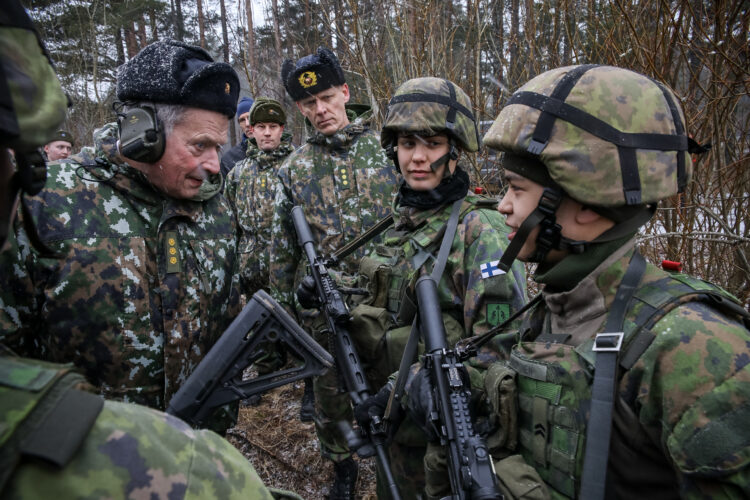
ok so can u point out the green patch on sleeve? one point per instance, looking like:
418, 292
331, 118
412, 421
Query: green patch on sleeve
497, 312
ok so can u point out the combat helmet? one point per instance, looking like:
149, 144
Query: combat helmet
32, 108
610, 138
430, 106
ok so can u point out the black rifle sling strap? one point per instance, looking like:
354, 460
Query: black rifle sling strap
410, 351
607, 347
363, 238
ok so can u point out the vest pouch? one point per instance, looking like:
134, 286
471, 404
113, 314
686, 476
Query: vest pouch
519, 480
554, 395
500, 388
373, 276
369, 326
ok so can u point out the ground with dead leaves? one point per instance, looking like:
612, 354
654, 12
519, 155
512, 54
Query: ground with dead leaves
285, 451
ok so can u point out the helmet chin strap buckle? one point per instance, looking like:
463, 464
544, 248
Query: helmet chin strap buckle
452, 154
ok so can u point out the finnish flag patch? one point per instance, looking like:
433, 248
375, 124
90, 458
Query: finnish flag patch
490, 269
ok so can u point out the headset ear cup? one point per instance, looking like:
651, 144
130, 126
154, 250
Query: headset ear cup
142, 136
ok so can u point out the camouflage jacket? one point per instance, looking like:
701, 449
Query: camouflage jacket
144, 286
472, 300
680, 425
345, 184
250, 189
479, 300
116, 456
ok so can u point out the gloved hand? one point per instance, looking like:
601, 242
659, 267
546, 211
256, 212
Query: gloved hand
421, 403
307, 295
375, 405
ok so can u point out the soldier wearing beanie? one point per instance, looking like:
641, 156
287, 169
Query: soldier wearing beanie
239, 151
59, 147
143, 278
250, 189
344, 183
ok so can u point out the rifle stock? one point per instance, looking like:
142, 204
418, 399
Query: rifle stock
348, 363
218, 378
470, 467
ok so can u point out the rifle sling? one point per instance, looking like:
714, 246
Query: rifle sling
362, 239
410, 351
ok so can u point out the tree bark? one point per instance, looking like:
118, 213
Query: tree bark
224, 34
201, 24
250, 50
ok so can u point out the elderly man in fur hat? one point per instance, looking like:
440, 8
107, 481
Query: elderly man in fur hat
142, 278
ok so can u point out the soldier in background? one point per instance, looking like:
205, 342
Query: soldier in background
143, 275
250, 188
345, 185
60, 147
238, 152
57, 440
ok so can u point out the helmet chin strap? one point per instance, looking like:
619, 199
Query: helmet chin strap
452, 154
550, 233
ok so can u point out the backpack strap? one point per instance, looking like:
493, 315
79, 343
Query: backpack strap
661, 297
56, 417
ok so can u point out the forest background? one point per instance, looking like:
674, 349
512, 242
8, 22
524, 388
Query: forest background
701, 49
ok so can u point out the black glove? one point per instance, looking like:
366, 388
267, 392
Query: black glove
374, 406
307, 295
421, 404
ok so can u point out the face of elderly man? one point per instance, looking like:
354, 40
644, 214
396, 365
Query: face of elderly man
191, 153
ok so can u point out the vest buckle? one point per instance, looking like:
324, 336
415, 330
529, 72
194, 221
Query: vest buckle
608, 342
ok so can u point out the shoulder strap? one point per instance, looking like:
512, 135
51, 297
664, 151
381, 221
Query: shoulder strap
607, 347
410, 351
665, 295
59, 422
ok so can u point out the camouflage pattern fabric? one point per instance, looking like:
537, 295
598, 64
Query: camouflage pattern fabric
144, 287
345, 185
428, 117
588, 167
251, 188
478, 300
130, 452
680, 425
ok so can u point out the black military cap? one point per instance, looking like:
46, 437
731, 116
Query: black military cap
312, 74
171, 72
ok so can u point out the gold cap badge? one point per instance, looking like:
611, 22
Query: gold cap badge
308, 79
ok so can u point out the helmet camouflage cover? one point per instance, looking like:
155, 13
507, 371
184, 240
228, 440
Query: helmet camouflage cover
32, 104
431, 106
608, 136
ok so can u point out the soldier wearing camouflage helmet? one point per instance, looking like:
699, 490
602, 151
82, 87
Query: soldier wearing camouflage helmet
429, 126
588, 152
56, 439
342, 180
143, 278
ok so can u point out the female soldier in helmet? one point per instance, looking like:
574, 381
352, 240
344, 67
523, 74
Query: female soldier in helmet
429, 126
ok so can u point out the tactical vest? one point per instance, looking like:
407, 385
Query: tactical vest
383, 318
554, 392
42, 414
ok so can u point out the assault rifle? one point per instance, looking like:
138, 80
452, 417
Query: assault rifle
218, 378
337, 317
470, 467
